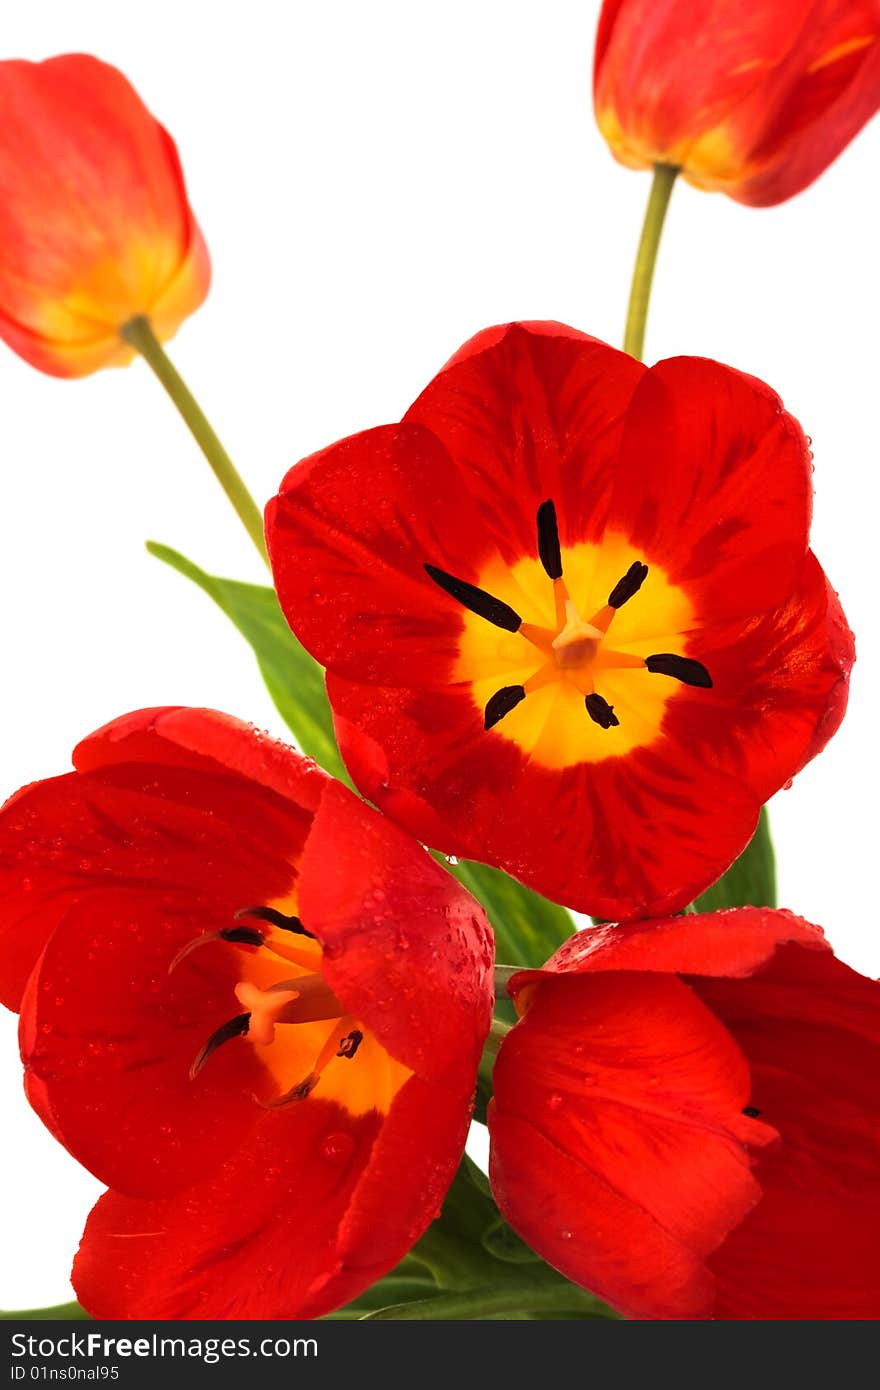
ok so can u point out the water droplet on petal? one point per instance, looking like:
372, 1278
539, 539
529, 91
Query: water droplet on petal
555, 1102
337, 1147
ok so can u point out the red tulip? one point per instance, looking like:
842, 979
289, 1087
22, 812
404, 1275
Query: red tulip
571, 623
95, 226
752, 99
250, 1005
687, 1120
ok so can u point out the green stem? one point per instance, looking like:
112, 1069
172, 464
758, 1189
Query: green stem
751, 879
503, 976
139, 333
497, 1033
646, 259
62, 1312
474, 1304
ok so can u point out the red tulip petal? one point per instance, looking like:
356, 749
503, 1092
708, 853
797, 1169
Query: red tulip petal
619, 1147
350, 535
735, 943
108, 1036
815, 103
714, 482
576, 841
780, 687
809, 1027
183, 736
311, 1211
406, 949
527, 414
160, 800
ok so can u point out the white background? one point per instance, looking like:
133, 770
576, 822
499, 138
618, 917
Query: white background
377, 182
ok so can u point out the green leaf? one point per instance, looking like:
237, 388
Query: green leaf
751, 880
393, 1289
528, 928
294, 679
62, 1312
550, 1299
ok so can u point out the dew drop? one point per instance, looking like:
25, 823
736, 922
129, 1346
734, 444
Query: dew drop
555, 1102
565, 1235
337, 1147
451, 859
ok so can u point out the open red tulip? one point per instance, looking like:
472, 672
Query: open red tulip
754, 100
95, 225
250, 1005
686, 1120
568, 612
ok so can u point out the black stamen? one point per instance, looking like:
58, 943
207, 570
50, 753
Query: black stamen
233, 1029
243, 936
548, 540
501, 703
681, 668
601, 712
630, 584
277, 919
300, 1092
752, 1111
349, 1045
477, 600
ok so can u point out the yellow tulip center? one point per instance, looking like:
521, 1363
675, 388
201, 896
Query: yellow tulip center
565, 654
301, 1032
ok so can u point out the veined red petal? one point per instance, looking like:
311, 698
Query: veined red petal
531, 412
619, 1147
780, 683
714, 481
